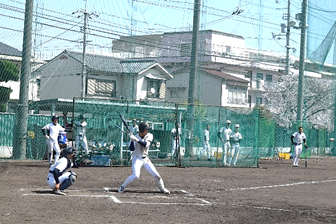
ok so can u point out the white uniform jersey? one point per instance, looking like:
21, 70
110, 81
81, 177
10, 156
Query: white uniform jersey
61, 165
81, 127
54, 130
225, 133
298, 138
174, 134
139, 150
135, 129
235, 136
206, 136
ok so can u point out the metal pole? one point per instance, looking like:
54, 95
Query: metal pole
84, 50
21, 123
192, 79
287, 38
302, 60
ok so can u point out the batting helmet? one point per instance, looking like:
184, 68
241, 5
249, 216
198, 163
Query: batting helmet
67, 151
54, 117
82, 116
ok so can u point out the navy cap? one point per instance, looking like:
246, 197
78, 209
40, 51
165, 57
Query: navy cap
143, 126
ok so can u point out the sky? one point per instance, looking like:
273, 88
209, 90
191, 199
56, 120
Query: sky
58, 24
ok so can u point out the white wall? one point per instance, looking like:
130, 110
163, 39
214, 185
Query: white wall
211, 90
61, 78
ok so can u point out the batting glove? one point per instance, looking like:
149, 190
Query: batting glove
133, 138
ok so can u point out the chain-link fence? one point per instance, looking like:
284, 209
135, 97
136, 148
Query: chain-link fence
108, 140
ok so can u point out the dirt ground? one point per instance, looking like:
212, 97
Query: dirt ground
275, 192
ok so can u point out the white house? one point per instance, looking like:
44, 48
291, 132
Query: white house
218, 51
106, 77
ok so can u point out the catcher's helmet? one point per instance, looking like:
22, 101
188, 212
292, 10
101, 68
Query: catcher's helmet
67, 151
54, 117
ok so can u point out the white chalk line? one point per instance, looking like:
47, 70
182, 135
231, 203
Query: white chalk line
77, 195
284, 210
279, 185
116, 200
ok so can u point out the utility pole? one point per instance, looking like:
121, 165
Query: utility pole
287, 38
192, 77
86, 16
303, 26
21, 123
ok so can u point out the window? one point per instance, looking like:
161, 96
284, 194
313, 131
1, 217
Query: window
228, 49
237, 95
249, 100
38, 83
101, 87
260, 76
248, 74
269, 78
153, 88
258, 100
185, 49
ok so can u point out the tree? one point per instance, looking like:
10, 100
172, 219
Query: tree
8, 71
318, 101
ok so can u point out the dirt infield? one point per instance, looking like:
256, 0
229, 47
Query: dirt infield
274, 193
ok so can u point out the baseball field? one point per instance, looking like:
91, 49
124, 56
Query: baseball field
275, 192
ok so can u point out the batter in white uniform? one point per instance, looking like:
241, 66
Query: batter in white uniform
235, 138
81, 134
51, 131
297, 139
206, 145
141, 143
57, 178
224, 135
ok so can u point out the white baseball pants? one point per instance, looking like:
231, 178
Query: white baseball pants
53, 145
297, 153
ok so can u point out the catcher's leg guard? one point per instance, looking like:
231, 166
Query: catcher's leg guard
68, 182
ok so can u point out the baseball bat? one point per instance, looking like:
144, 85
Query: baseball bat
125, 123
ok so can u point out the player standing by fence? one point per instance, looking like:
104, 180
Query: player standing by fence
297, 139
51, 132
176, 137
206, 145
81, 134
224, 135
235, 138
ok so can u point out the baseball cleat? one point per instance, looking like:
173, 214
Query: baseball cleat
165, 191
121, 189
58, 192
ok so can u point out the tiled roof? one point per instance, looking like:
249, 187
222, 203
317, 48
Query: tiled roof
8, 50
130, 66
225, 76
111, 64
